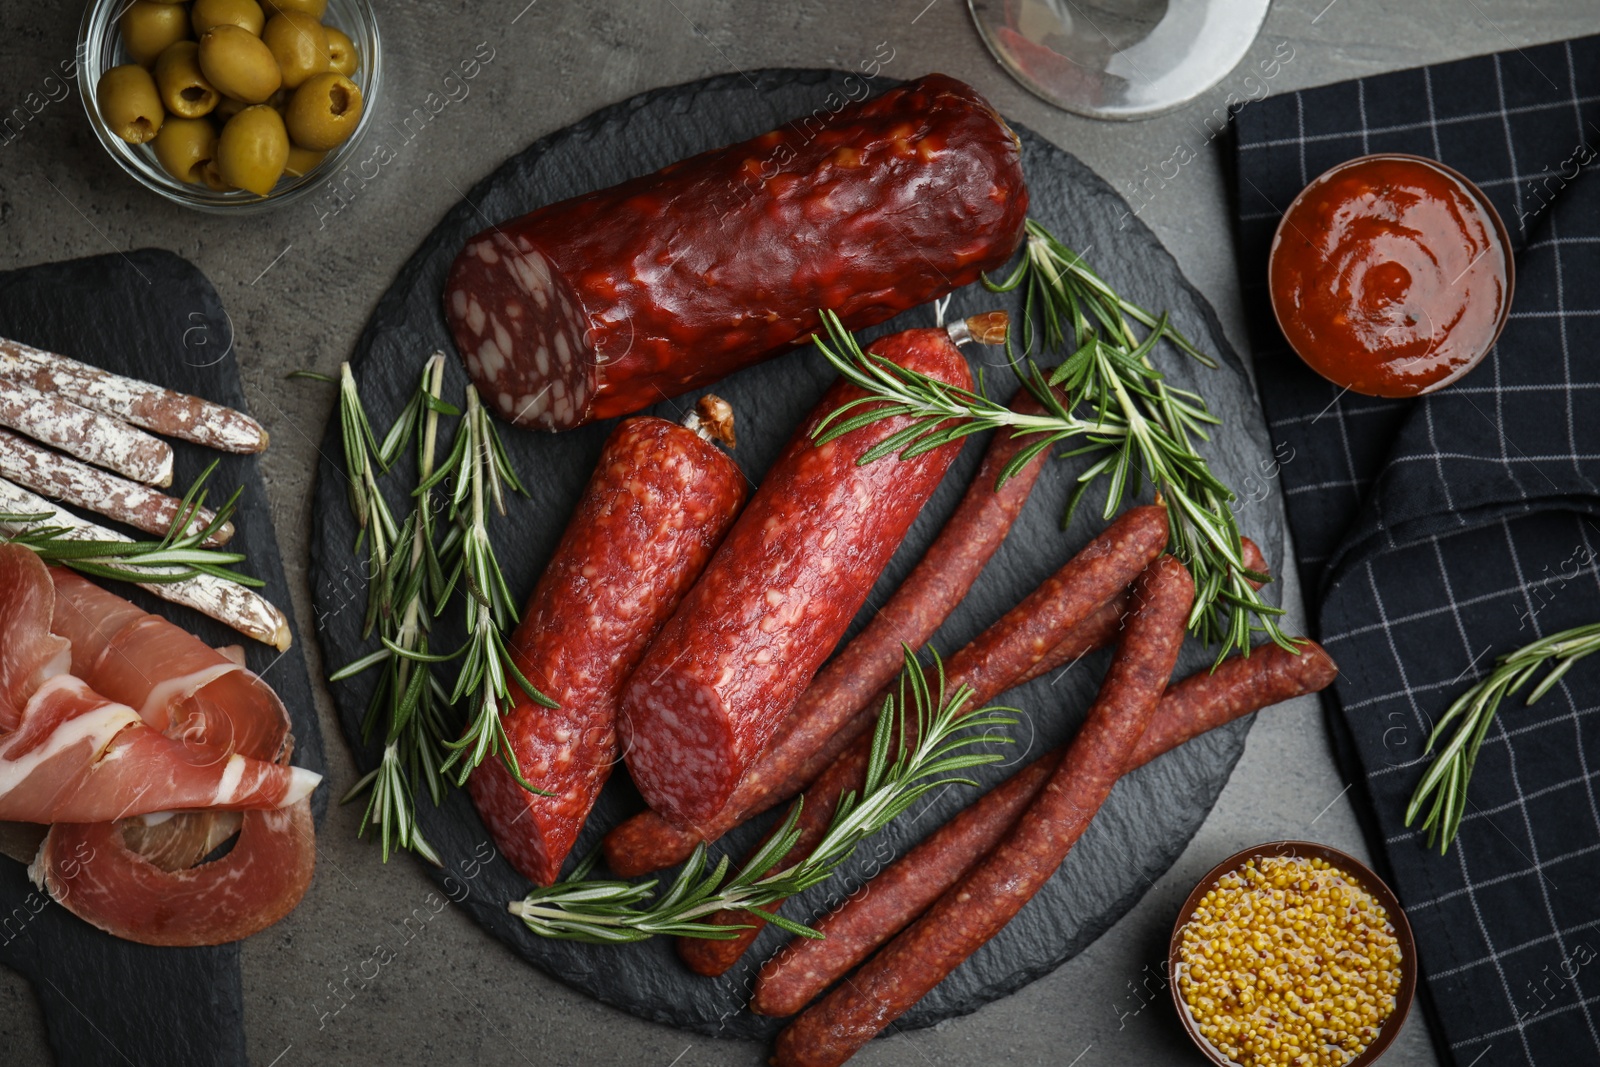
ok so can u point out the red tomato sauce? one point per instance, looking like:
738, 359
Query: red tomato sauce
1390, 276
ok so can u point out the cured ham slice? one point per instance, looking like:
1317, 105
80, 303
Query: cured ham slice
78, 757
71, 754
179, 684
92, 872
118, 713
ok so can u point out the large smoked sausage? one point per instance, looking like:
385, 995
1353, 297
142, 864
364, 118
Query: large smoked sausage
658, 504
989, 665
805, 967
981, 904
778, 595
606, 303
825, 719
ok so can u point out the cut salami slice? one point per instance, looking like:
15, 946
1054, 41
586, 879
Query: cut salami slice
658, 504
604, 304
777, 597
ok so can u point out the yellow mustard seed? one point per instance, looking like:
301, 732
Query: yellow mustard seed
1289, 961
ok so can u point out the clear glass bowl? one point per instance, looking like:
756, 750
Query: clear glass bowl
100, 49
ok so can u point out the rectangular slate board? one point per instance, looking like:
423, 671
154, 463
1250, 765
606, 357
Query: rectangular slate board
152, 315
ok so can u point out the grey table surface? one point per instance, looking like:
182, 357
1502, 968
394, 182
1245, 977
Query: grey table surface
299, 284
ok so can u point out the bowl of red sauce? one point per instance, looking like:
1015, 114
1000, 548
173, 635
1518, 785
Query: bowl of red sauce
1391, 275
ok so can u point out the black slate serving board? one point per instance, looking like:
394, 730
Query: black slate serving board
152, 315
1152, 814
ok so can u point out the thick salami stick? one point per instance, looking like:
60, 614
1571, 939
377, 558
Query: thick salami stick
92, 437
604, 304
989, 665
804, 967
776, 598
658, 504
817, 730
61, 477
981, 904
159, 410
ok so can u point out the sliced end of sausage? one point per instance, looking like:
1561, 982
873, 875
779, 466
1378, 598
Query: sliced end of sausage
692, 727
522, 333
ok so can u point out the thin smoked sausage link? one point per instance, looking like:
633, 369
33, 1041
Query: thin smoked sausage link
981, 904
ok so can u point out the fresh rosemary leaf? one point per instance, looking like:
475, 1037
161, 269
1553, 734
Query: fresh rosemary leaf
1443, 789
1106, 392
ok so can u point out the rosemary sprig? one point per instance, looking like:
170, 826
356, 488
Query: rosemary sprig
415, 570
482, 474
1135, 424
409, 700
926, 758
1443, 790
178, 556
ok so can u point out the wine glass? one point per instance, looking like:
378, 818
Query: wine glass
1118, 59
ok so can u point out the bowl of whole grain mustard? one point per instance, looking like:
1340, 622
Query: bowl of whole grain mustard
1292, 954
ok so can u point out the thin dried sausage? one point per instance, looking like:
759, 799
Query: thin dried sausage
1100, 629
778, 596
608, 302
981, 904
804, 967
659, 502
830, 714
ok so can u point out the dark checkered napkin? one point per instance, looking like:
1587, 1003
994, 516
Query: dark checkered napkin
1434, 535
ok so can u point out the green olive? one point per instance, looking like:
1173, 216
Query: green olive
324, 111
302, 161
184, 90
253, 149
129, 103
342, 54
299, 44
245, 14
185, 147
238, 64
314, 8
148, 28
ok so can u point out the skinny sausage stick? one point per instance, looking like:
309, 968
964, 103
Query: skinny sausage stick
162, 411
64, 478
91, 436
228, 602
804, 967
981, 904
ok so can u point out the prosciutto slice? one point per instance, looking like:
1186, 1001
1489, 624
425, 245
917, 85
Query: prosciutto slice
69, 753
179, 684
91, 870
147, 751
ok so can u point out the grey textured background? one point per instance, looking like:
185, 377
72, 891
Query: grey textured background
300, 283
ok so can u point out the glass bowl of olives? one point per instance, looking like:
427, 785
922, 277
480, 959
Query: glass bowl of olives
230, 105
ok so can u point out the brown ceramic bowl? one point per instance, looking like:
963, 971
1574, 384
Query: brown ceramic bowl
1357, 871
1496, 224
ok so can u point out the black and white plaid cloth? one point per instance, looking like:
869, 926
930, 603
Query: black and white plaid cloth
1436, 534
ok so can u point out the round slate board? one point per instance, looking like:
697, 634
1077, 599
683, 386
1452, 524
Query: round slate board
1151, 815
